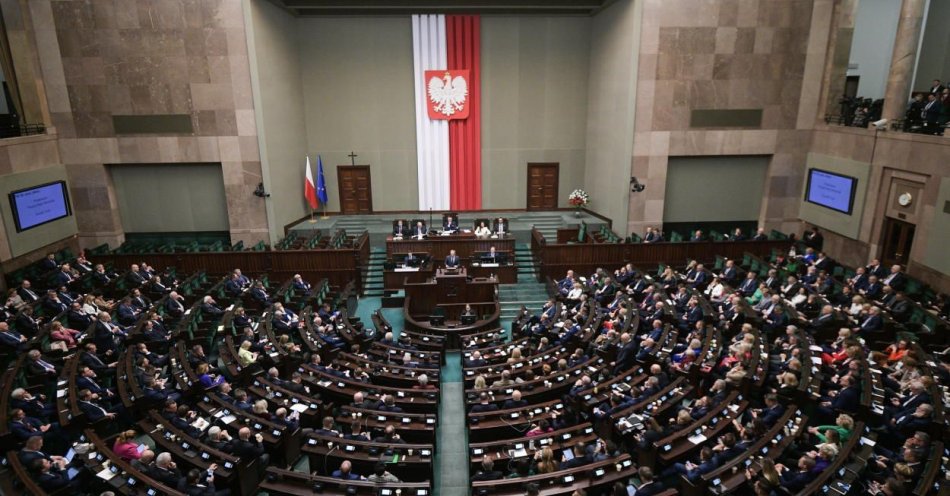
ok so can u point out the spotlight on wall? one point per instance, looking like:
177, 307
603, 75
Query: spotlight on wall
636, 186
259, 192
880, 125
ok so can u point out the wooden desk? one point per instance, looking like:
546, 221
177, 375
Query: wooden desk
464, 244
291, 483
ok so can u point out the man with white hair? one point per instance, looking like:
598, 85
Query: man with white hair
219, 439
210, 308
165, 470
423, 383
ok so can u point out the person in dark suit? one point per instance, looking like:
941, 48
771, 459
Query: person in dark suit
420, 230
697, 237
847, 400
896, 279
87, 380
26, 323
730, 275
88, 403
794, 481
34, 406
24, 427
259, 294
813, 238
580, 457
38, 367
900, 307
648, 486
210, 308
63, 276
248, 447
26, 293
127, 314
931, 114
450, 224
300, 285
232, 287
165, 471
345, 472
748, 285
476, 360
410, 260
77, 318
699, 278
488, 471
693, 471
50, 479
12, 339
483, 404
400, 229
627, 354
452, 261
174, 305
134, 278
760, 235
772, 412
515, 401
872, 323
50, 263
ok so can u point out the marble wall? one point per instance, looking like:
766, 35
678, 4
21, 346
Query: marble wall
896, 157
140, 57
728, 54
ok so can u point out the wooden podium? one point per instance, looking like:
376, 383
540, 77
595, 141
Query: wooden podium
447, 294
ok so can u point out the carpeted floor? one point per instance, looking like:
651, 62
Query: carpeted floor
451, 453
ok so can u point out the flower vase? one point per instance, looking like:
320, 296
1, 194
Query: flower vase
577, 212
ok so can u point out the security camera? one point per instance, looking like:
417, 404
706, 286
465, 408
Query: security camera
635, 186
880, 125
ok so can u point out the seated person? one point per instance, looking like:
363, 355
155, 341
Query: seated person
412, 260
501, 227
481, 230
400, 229
452, 261
450, 224
493, 256
420, 230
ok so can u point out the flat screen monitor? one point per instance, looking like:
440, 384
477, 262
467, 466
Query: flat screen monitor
39, 205
831, 190
468, 319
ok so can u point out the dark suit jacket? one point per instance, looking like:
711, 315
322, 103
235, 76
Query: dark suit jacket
847, 400
401, 231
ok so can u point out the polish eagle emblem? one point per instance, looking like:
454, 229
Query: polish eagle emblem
448, 94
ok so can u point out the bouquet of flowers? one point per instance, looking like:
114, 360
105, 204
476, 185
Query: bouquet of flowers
578, 199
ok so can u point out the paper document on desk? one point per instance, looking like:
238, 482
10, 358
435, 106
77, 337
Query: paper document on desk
200, 424
698, 438
298, 407
105, 474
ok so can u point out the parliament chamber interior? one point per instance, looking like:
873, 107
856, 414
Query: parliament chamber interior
474, 247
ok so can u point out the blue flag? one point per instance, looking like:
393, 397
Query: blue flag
321, 182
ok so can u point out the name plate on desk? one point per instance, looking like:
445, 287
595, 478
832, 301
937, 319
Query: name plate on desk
489, 264
407, 269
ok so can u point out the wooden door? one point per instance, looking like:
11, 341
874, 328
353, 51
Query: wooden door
898, 238
542, 186
356, 192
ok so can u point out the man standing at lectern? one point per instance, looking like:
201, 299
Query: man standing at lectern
452, 261
420, 230
500, 227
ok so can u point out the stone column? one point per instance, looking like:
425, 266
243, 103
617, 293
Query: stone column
902, 61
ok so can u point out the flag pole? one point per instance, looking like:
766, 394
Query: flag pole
312, 220
325, 216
